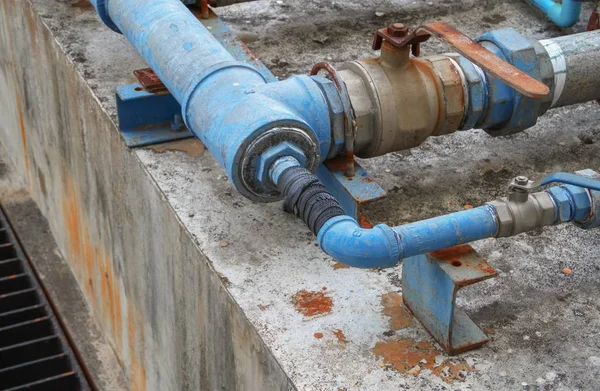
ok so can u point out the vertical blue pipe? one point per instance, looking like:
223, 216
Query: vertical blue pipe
564, 15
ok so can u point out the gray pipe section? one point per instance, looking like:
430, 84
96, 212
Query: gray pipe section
576, 62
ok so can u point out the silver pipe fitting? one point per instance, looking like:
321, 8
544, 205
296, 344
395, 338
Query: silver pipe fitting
521, 212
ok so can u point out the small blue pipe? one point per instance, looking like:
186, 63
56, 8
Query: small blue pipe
449, 230
563, 15
382, 246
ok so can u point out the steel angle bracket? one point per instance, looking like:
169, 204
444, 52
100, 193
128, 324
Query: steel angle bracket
430, 284
353, 192
146, 117
147, 111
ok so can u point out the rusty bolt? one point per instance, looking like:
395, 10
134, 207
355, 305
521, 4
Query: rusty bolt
397, 30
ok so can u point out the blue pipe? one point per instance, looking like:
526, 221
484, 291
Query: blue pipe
382, 246
563, 15
226, 103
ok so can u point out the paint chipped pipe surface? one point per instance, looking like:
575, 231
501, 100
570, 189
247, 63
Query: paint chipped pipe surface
563, 15
226, 103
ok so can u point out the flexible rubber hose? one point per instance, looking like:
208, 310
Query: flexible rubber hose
307, 198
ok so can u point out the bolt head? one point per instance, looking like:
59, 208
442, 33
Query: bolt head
521, 180
398, 29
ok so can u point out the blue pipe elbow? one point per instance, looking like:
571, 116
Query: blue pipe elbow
563, 15
382, 246
346, 241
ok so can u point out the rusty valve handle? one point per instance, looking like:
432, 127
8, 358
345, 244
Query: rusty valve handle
488, 61
399, 36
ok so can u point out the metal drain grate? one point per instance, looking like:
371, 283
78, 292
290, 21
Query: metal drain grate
34, 352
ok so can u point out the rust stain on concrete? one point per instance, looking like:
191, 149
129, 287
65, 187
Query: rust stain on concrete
450, 371
83, 4
405, 354
23, 136
411, 358
191, 146
94, 269
339, 334
137, 372
312, 303
339, 265
392, 307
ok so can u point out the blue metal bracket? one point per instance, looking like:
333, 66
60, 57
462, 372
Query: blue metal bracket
429, 287
352, 192
146, 118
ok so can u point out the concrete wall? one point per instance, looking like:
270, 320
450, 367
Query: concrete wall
164, 309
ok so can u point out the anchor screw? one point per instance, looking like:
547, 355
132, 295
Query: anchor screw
177, 124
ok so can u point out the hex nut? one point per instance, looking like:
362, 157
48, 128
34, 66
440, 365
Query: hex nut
475, 84
546, 208
563, 203
504, 216
520, 52
336, 113
453, 91
363, 107
582, 203
268, 157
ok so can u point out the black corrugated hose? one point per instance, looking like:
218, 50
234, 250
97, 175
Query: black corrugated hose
306, 197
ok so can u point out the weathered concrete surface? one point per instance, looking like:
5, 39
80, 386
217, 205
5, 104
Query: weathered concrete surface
38, 242
255, 274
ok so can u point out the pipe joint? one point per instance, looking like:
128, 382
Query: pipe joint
563, 15
573, 203
509, 111
249, 126
517, 215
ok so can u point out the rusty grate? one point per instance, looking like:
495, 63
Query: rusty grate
34, 352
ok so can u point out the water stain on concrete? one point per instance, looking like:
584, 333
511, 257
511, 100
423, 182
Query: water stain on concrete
312, 303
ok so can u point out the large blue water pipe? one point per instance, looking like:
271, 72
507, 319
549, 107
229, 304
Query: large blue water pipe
226, 103
563, 15
248, 123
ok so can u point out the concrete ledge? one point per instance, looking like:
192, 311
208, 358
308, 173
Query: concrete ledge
198, 288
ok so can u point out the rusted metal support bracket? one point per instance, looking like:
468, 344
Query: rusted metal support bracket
430, 284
